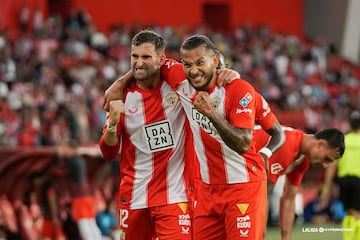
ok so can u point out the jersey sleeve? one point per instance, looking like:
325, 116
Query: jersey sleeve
172, 72
261, 138
242, 107
264, 116
109, 153
295, 177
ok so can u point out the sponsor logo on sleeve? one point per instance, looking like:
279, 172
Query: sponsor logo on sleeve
246, 99
244, 102
169, 63
265, 107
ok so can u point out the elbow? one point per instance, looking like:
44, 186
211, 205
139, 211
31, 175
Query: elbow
109, 153
244, 149
282, 138
243, 146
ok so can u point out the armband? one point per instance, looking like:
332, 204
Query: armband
111, 128
266, 151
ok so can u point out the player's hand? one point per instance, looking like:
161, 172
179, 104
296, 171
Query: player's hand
114, 92
203, 103
116, 108
226, 76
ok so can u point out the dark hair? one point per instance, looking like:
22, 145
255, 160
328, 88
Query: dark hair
149, 36
222, 63
355, 120
334, 137
198, 40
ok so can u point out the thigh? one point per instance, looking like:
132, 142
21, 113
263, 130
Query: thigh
173, 221
350, 192
246, 211
136, 224
208, 218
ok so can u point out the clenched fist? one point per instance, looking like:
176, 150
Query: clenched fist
116, 107
203, 103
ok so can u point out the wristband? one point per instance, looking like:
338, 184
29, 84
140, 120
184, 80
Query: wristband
266, 151
111, 128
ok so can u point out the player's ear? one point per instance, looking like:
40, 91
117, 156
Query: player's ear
162, 59
322, 143
216, 59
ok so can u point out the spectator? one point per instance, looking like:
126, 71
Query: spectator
316, 213
48, 195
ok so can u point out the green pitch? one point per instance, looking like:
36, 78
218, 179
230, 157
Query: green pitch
309, 232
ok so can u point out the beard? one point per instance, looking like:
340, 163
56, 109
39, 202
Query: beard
206, 85
143, 73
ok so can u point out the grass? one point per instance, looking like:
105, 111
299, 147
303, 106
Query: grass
308, 232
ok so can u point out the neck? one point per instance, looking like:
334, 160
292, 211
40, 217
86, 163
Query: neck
149, 83
307, 142
212, 83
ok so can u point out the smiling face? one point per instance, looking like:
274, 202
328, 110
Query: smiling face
200, 66
322, 154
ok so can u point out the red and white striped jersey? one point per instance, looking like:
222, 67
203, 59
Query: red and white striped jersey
287, 160
236, 102
152, 147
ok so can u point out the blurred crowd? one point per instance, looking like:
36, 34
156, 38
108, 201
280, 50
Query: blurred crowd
53, 75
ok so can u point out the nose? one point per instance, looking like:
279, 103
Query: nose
325, 165
139, 62
193, 71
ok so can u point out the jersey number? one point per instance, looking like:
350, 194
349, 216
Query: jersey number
124, 215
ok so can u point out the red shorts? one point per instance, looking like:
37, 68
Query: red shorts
169, 222
231, 211
49, 230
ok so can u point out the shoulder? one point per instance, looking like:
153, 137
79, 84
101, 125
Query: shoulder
171, 64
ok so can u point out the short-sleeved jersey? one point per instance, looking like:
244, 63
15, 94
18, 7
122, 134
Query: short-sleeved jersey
348, 164
219, 164
152, 136
264, 116
287, 160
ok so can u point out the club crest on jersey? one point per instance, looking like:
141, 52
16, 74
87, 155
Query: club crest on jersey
215, 101
246, 99
172, 98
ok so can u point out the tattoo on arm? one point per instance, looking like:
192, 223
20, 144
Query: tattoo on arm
238, 139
